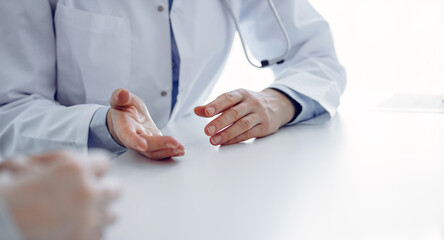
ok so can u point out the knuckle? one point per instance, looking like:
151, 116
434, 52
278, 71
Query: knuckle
264, 130
249, 134
266, 125
72, 168
256, 102
229, 97
235, 112
64, 155
245, 123
243, 91
59, 153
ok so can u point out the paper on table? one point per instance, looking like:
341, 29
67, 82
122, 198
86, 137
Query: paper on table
413, 103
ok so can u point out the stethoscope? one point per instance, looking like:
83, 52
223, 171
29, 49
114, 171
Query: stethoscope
266, 62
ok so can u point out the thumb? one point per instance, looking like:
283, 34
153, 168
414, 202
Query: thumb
200, 111
120, 98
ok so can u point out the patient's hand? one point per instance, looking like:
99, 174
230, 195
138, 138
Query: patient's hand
60, 196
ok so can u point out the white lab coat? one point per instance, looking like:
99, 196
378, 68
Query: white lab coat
61, 60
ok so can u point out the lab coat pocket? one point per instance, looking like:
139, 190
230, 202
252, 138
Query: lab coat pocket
93, 51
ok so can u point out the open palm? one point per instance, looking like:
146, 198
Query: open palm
130, 124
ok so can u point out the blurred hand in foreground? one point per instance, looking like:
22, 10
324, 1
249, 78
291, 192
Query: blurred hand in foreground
60, 196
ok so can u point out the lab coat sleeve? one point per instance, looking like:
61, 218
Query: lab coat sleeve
311, 74
309, 109
8, 228
99, 135
31, 120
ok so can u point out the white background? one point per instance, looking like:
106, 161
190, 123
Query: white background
389, 46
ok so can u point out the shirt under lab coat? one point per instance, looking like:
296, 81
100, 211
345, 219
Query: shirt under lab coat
61, 60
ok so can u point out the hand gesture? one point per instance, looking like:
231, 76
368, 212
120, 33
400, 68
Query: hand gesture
130, 124
245, 114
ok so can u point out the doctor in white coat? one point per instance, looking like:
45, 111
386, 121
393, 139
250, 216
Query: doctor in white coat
61, 62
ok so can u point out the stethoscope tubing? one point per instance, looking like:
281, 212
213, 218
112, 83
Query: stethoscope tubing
267, 62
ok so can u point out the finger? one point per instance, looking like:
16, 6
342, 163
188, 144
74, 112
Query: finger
95, 233
221, 103
120, 98
200, 111
228, 117
255, 132
45, 161
241, 126
95, 230
103, 220
98, 162
52, 158
164, 154
108, 191
100, 218
156, 143
109, 218
13, 166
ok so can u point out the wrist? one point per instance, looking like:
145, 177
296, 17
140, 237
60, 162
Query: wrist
281, 105
110, 126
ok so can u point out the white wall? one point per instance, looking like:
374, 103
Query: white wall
396, 45
385, 45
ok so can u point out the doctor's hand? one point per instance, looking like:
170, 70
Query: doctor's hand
130, 124
245, 114
59, 196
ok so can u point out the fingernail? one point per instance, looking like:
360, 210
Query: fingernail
170, 145
216, 140
211, 110
178, 151
211, 130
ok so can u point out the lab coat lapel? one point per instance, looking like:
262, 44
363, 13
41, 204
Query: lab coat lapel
204, 38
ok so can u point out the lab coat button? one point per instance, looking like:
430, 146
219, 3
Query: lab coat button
160, 8
163, 93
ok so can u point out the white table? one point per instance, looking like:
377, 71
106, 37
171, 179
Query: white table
364, 175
